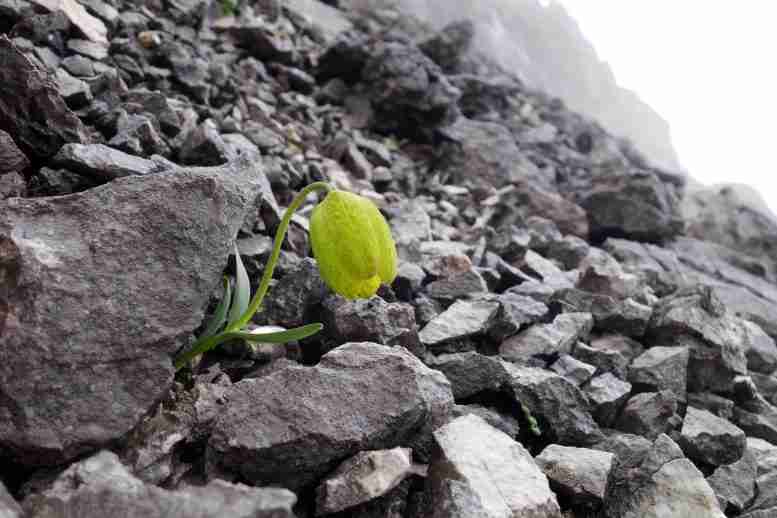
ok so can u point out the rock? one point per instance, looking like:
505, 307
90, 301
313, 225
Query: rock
12, 184
470, 372
761, 349
11, 157
766, 492
92, 28
137, 135
619, 316
408, 281
296, 295
485, 151
408, 90
577, 474
569, 251
713, 403
574, 370
294, 425
35, 99
108, 283
457, 286
559, 407
707, 438
547, 340
660, 484
90, 49
634, 206
325, 20
763, 513
365, 476
203, 145
502, 422
650, 414
734, 484
8, 506
477, 470
716, 341
607, 395
371, 320
539, 199
626, 447
757, 420
104, 163
90, 487
515, 312
458, 323
661, 368
74, 91
411, 223
447, 47
609, 353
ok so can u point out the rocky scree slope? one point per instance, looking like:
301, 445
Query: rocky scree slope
568, 334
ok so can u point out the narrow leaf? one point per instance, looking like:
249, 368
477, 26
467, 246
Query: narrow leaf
242, 290
280, 337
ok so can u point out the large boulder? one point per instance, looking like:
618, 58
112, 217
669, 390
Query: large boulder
97, 291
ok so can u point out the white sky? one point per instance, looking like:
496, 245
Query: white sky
709, 67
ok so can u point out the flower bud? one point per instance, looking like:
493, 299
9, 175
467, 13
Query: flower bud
353, 245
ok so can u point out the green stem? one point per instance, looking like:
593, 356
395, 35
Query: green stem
204, 345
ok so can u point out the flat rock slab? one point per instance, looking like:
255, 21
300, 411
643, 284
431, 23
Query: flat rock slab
479, 471
101, 486
97, 291
105, 163
295, 425
708, 438
32, 111
93, 28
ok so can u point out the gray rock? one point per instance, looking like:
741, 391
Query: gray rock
12, 184
609, 353
574, 370
603, 275
661, 368
569, 251
707, 438
734, 484
74, 91
757, 420
636, 206
411, 222
515, 312
579, 474
104, 163
457, 323
502, 422
365, 476
457, 286
294, 425
90, 49
35, 99
92, 28
650, 414
155, 249
486, 151
720, 406
546, 340
766, 492
561, 410
11, 157
766, 385
203, 145
696, 318
760, 349
469, 372
607, 395
447, 47
627, 448
9, 508
762, 513
99, 483
408, 90
408, 281
371, 320
138, 135
660, 484
626, 316
478, 471
296, 295
765, 454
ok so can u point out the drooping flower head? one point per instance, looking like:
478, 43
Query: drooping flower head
353, 245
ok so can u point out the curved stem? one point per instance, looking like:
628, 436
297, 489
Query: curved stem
264, 284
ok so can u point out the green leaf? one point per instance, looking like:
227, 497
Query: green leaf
242, 290
220, 315
280, 337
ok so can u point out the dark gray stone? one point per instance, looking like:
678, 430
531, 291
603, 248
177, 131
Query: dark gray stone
661, 368
766, 492
561, 410
12, 184
574, 370
297, 295
578, 474
90, 49
38, 118
74, 91
734, 484
11, 157
100, 483
626, 316
650, 414
477, 470
203, 145
294, 425
609, 353
660, 483
470, 372
502, 422
607, 395
712, 403
104, 163
765, 454
515, 312
547, 340
707, 438
447, 47
408, 281
155, 248
457, 286
459, 322
761, 349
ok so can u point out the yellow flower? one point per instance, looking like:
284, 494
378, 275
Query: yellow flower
353, 245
